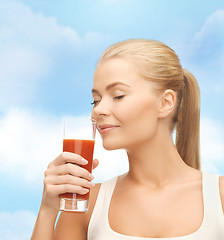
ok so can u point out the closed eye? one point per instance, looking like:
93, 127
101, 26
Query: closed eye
94, 102
119, 97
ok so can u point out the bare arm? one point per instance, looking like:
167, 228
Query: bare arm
72, 226
64, 174
44, 226
221, 187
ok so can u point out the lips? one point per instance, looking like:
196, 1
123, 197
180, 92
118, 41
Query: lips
106, 128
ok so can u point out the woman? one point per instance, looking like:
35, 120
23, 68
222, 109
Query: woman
141, 94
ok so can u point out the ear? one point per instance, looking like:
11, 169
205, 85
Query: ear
167, 103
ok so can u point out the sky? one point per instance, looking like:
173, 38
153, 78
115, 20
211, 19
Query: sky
48, 53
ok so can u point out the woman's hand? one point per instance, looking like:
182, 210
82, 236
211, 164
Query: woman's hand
63, 175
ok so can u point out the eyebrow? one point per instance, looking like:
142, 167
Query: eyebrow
111, 86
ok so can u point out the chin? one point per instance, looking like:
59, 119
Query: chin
111, 146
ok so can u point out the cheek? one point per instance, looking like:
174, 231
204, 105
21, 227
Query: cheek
142, 111
142, 126
139, 121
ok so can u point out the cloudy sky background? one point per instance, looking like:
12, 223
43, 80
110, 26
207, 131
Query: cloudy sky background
48, 52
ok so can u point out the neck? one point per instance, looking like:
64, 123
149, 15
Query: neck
156, 163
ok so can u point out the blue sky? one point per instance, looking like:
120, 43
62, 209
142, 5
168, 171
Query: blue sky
48, 52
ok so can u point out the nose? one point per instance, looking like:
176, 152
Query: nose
101, 109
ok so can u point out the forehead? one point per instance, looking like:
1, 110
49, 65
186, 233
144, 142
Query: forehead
115, 69
122, 70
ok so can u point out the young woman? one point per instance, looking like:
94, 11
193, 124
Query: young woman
141, 95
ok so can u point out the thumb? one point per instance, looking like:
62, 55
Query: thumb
95, 163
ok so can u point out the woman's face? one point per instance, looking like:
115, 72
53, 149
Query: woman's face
125, 105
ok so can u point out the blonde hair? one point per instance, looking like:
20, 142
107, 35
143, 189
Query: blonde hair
159, 63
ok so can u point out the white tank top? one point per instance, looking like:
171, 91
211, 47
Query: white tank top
212, 227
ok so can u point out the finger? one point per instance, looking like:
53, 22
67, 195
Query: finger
71, 169
68, 179
95, 163
55, 190
68, 157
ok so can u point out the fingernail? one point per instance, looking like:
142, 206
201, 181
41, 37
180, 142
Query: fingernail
85, 190
92, 184
84, 161
91, 176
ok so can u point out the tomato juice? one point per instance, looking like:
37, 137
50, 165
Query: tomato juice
85, 149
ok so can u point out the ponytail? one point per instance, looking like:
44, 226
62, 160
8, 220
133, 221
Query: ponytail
188, 122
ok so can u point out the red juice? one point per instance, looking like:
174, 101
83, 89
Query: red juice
85, 149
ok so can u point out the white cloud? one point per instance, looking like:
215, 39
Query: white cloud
32, 48
213, 27
204, 54
22, 26
28, 44
30, 140
208, 42
17, 225
210, 167
212, 145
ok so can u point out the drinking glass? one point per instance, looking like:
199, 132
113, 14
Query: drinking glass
79, 138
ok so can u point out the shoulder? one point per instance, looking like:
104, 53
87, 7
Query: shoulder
221, 187
92, 201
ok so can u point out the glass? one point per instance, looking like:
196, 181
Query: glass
79, 138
